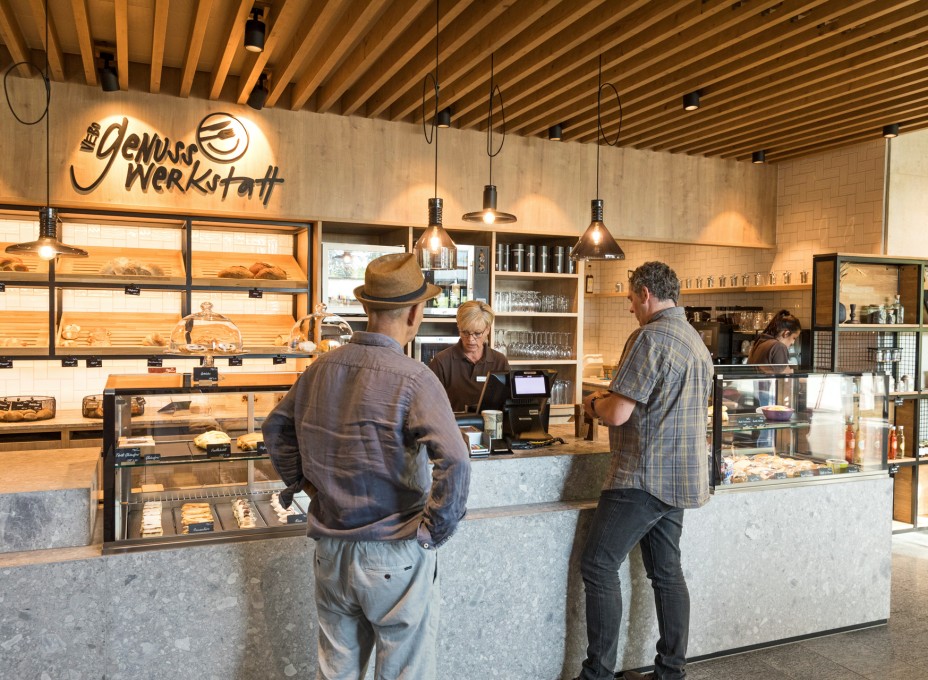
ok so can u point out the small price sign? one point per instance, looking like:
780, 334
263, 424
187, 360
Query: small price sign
278, 360
219, 450
128, 454
133, 289
199, 528
155, 362
825, 471
261, 449
2, 287
152, 457
69, 362
205, 374
94, 362
6, 362
235, 361
255, 294
299, 518
806, 473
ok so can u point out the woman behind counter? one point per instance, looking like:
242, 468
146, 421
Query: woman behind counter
772, 346
463, 368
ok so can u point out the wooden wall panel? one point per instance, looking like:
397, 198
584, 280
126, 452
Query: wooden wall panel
358, 170
907, 200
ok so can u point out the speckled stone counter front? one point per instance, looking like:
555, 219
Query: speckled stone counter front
47, 498
762, 565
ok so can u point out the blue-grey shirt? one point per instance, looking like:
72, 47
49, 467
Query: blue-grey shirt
360, 426
667, 370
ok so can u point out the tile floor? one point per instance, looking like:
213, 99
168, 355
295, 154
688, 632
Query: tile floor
896, 651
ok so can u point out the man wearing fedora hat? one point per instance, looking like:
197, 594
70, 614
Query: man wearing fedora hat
357, 431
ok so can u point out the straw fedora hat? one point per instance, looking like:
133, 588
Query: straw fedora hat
393, 281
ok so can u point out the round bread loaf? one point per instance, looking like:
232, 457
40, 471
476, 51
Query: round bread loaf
235, 272
258, 266
272, 273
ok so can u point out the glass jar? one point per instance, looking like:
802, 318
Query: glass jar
206, 333
319, 332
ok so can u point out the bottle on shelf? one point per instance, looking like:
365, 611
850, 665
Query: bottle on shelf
850, 441
455, 294
861, 448
900, 441
900, 310
893, 443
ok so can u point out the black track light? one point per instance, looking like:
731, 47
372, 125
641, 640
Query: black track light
109, 78
443, 119
759, 157
258, 93
691, 101
556, 133
254, 31
890, 131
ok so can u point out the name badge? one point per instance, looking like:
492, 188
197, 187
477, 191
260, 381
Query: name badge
481, 378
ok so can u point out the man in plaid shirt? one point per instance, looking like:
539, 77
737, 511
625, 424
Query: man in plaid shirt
656, 412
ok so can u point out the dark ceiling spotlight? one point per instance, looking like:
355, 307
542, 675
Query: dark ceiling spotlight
556, 133
109, 78
443, 119
254, 31
258, 93
759, 157
691, 101
890, 131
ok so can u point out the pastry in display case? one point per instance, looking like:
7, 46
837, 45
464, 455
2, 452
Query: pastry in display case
173, 475
766, 425
319, 332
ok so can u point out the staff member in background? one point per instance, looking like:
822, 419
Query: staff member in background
463, 368
772, 346
353, 431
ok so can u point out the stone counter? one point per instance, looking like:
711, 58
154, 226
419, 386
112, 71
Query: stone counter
763, 565
47, 499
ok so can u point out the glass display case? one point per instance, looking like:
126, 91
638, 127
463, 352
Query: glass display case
192, 466
770, 426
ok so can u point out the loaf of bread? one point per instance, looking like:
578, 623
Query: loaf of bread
154, 340
70, 331
235, 272
211, 437
123, 266
11, 263
271, 273
249, 442
258, 266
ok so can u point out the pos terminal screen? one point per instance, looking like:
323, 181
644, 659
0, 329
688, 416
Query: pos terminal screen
529, 384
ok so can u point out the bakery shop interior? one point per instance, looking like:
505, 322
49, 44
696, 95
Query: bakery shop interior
183, 222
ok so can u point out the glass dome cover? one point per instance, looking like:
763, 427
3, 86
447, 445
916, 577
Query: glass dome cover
206, 333
319, 332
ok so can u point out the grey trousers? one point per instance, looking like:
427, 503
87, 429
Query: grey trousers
382, 594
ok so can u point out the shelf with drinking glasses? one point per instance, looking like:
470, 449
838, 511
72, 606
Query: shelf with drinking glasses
532, 303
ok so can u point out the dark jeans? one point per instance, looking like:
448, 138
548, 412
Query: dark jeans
623, 518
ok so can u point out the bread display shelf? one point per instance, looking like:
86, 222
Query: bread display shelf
205, 268
38, 268
89, 269
173, 452
126, 332
29, 329
223, 518
260, 331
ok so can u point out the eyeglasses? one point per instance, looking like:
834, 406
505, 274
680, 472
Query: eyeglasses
474, 335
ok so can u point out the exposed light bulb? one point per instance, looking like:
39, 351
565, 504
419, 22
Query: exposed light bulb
489, 218
435, 243
597, 236
46, 252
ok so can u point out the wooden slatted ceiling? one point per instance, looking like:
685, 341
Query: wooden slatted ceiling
792, 77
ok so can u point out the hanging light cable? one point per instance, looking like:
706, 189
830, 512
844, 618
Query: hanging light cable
47, 246
489, 214
597, 243
434, 249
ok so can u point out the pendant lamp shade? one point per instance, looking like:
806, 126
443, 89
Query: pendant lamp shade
48, 247
489, 214
597, 243
435, 249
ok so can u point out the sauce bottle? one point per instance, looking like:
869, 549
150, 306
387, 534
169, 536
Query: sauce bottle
850, 441
900, 441
861, 444
893, 443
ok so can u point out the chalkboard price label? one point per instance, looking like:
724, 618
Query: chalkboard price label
69, 362
235, 361
199, 528
299, 518
6, 362
806, 473
94, 362
133, 289
155, 362
825, 471
278, 360
219, 450
152, 457
261, 449
753, 478
255, 294
205, 374
2, 287
128, 454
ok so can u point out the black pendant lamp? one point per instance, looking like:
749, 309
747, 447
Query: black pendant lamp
489, 214
597, 243
47, 246
255, 31
434, 250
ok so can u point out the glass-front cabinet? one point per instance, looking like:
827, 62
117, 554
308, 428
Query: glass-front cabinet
768, 426
191, 465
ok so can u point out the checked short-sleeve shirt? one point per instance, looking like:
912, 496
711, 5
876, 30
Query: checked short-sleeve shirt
667, 370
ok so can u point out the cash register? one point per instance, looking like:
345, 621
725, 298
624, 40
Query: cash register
522, 396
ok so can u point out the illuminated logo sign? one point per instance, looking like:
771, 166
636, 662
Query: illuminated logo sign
155, 163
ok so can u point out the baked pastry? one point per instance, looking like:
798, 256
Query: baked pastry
11, 263
154, 340
249, 442
212, 437
326, 345
44, 414
258, 266
272, 273
151, 519
281, 511
195, 513
235, 272
244, 513
70, 331
29, 414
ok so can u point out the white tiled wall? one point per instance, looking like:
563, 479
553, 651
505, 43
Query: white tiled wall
121, 236
230, 304
831, 202
104, 301
70, 385
19, 231
242, 242
24, 299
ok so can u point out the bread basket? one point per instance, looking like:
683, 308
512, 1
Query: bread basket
92, 406
18, 409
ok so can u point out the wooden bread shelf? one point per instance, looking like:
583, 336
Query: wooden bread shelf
38, 268
205, 268
126, 332
89, 269
260, 331
28, 329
